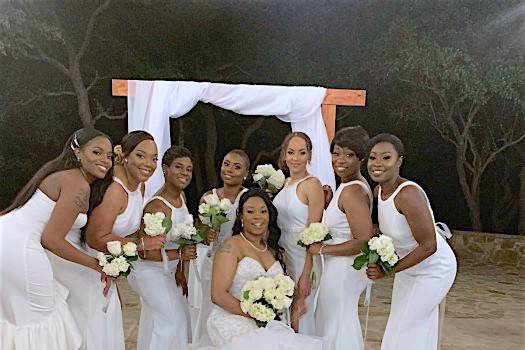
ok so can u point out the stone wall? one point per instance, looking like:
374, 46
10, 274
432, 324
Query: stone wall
489, 247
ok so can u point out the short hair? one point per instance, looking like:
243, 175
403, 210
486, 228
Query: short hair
175, 152
352, 137
391, 139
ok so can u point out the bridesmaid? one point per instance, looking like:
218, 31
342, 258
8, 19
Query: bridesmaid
349, 218
234, 170
33, 309
118, 215
299, 203
164, 316
427, 265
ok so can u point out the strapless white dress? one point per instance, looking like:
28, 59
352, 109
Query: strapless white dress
33, 310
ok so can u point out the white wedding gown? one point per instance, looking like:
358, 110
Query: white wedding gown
235, 332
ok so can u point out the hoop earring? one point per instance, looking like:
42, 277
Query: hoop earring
79, 163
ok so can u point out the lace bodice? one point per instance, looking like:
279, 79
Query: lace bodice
249, 269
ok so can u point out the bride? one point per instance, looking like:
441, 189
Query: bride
247, 255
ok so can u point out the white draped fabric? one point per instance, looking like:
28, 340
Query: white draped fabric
152, 103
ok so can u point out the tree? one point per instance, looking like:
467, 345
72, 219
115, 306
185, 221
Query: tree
41, 31
471, 94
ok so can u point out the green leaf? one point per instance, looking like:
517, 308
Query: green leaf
202, 231
327, 237
373, 257
301, 244
260, 324
133, 258
385, 266
365, 248
167, 224
360, 261
246, 295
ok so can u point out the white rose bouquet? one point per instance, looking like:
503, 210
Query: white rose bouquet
316, 232
156, 224
378, 250
213, 212
265, 298
185, 233
268, 178
118, 261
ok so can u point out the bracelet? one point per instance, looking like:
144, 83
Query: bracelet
143, 246
321, 249
180, 254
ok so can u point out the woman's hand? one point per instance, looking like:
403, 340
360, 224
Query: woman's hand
304, 285
211, 236
188, 252
328, 195
315, 248
153, 243
298, 309
374, 272
107, 280
180, 279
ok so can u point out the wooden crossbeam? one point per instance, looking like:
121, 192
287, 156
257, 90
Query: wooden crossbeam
332, 99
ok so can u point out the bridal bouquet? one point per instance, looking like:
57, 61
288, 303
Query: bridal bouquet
378, 250
156, 224
118, 261
316, 232
185, 233
265, 298
268, 178
213, 211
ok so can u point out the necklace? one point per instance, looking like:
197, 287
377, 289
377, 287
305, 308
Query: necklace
253, 246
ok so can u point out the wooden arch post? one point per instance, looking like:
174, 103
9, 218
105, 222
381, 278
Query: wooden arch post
332, 99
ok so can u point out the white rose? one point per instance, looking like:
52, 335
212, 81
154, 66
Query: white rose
225, 205
111, 270
374, 243
212, 198
278, 304
153, 223
121, 263
257, 177
277, 179
245, 305
204, 208
205, 220
256, 293
261, 312
101, 257
114, 247
265, 170
130, 249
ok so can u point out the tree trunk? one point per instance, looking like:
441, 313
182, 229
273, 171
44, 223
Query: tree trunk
180, 135
471, 193
521, 222
82, 96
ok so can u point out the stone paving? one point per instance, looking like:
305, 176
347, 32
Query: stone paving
484, 310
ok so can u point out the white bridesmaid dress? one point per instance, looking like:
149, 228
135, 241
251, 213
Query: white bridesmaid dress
33, 310
292, 220
93, 312
206, 270
128, 222
418, 290
341, 285
164, 315
234, 332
